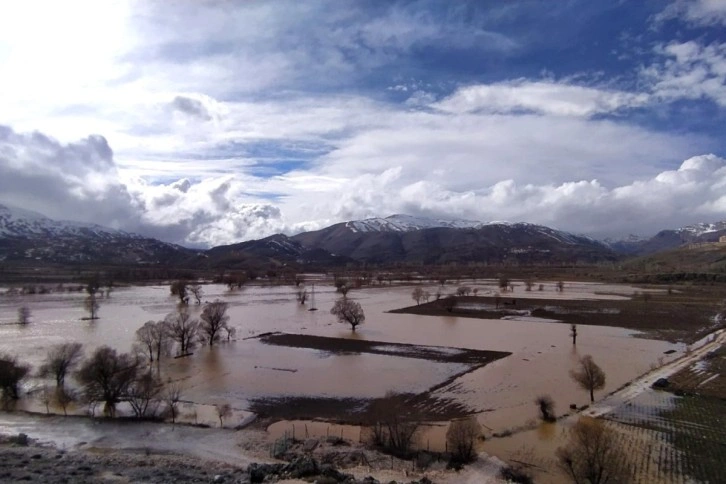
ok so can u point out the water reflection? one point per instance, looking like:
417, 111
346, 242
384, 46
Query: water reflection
240, 370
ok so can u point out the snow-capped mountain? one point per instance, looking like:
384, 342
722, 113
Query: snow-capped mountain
700, 229
32, 237
406, 223
18, 222
403, 238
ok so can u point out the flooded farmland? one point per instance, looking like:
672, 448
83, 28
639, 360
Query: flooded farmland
246, 369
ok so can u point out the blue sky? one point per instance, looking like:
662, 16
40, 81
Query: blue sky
205, 123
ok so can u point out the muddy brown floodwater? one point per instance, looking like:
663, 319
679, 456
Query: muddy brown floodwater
238, 372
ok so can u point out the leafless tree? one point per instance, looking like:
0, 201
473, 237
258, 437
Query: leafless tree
197, 292
91, 304
349, 312
426, 296
223, 411
64, 397
503, 283
461, 437
589, 376
172, 396
573, 333
12, 374
475, 291
393, 425
45, 397
342, 286
463, 291
143, 395
214, 320
230, 331
528, 285
182, 328
417, 295
23, 315
153, 338
560, 286
179, 288
106, 377
546, 407
301, 294
442, 280
61, 360
592, 455
299, 280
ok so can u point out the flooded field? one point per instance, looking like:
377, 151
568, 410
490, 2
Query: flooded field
246, 369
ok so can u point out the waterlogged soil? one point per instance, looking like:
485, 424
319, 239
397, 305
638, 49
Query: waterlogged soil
246, 372
425, 405
684, 315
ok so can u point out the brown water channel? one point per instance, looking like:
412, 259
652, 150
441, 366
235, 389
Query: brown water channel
247, 369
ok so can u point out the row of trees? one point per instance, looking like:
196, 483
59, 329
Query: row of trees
154, 338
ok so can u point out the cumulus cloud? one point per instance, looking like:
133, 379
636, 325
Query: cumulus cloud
81, 181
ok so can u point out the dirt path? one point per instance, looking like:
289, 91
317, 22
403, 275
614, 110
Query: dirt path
637, 386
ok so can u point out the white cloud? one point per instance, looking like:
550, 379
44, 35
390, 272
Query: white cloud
689, 70
698, 12
543, 97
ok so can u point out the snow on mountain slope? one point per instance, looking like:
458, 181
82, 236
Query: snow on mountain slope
409, 223
703, 228
18, 222
406, 223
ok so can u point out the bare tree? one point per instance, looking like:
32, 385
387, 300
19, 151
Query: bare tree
417, 295
426, 296
45, 397
12, 375
214, 320
463, 291
349, 312
223, 411
589, 376
65, 397
393, 425
180, 288
546, 407
592, 455
143, 395
301, 294
23, 315
342, 286
231, 332
503, 283
197, 292
560, 286
573, 333
182, 328
60, 360
172, 396
153, 338
91, 304
106, 377
461, 437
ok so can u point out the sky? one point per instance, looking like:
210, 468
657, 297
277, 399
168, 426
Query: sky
204, 122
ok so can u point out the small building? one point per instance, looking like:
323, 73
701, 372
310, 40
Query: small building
722, 239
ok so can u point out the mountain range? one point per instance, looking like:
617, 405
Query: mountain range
31, 237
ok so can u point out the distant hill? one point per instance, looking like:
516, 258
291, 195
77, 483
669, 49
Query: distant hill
670, 239
417, 240
29, 236
705, 262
